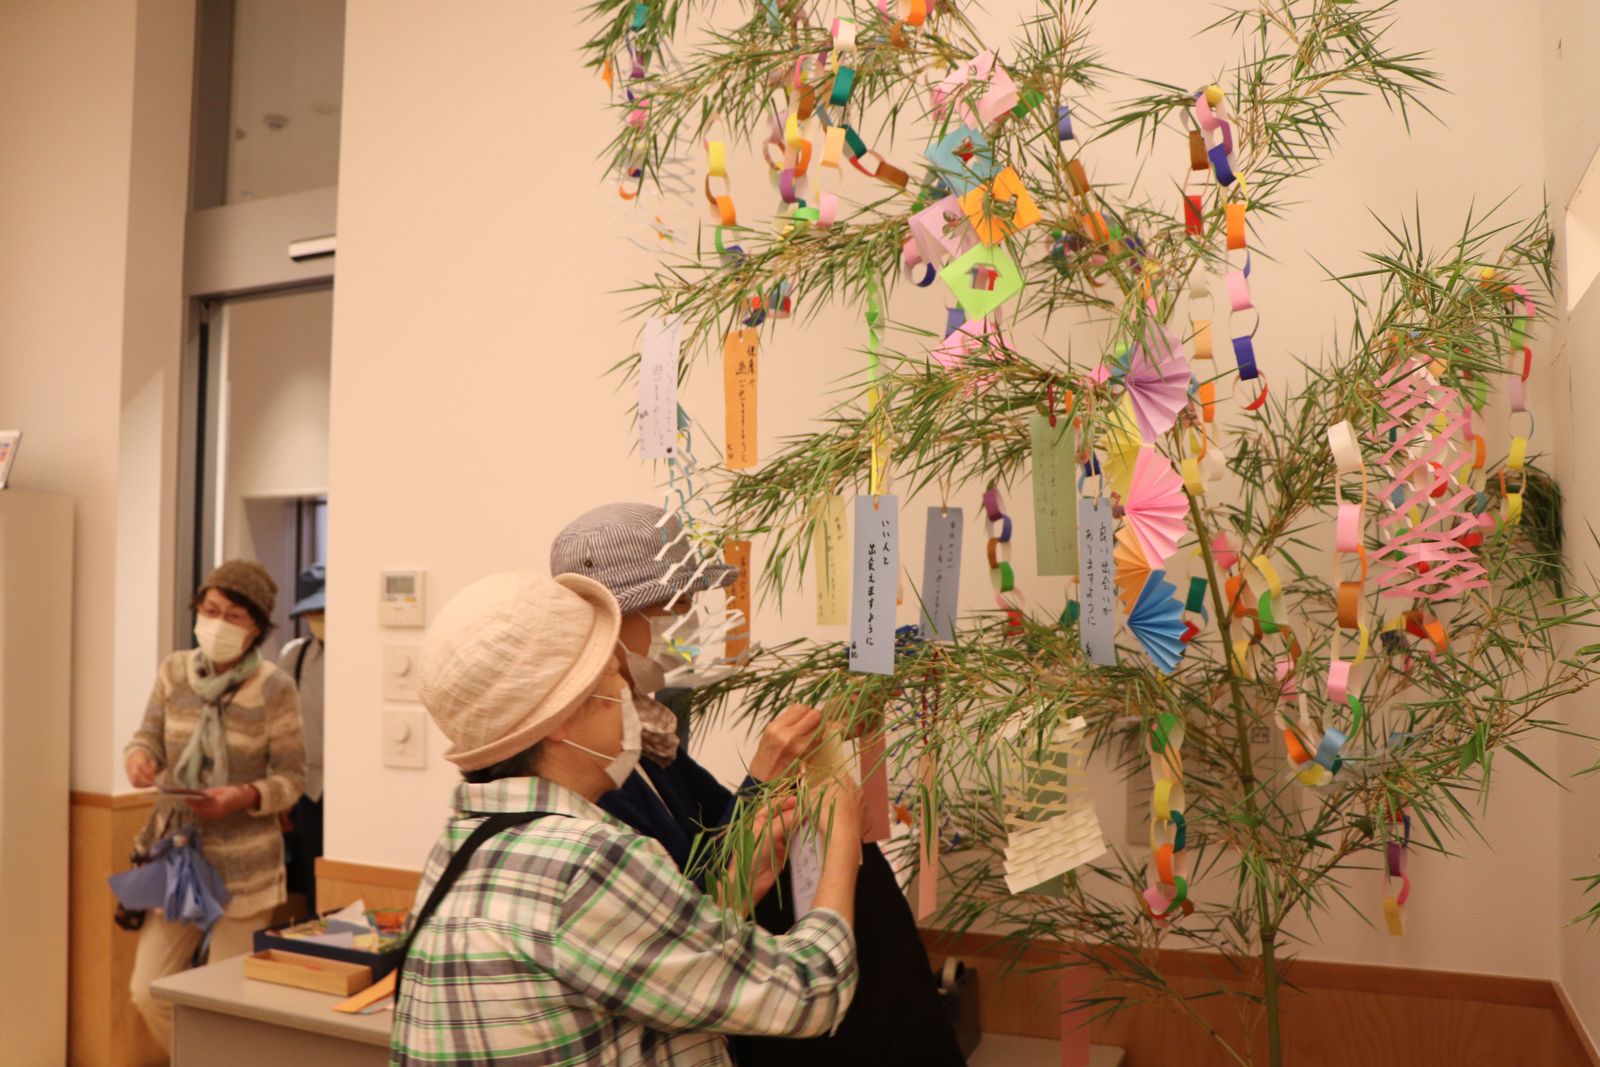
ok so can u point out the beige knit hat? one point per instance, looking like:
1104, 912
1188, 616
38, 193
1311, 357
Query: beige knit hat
510, 657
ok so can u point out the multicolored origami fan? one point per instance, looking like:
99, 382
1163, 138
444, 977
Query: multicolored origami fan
1157, 382
1133, 570
1157, 622
1156, 506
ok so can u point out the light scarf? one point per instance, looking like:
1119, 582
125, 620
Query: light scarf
209, 742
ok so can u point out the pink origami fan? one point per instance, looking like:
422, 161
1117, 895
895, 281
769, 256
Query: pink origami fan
1156, 506
1158, 384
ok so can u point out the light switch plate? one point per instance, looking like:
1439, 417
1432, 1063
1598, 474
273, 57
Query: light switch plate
405, 738
400, 665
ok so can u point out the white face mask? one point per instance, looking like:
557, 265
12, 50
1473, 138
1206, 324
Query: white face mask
621, 765
222, 642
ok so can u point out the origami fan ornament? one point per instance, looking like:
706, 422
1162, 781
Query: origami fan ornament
1050, 817
1155, 506
1120, 442
1133, 570
1157, 622
1157, 382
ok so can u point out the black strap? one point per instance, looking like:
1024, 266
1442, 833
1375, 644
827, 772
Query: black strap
300, 664
489, 827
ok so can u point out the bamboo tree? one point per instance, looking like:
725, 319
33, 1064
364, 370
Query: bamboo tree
1434, 720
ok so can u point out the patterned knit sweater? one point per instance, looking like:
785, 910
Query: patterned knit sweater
266, 749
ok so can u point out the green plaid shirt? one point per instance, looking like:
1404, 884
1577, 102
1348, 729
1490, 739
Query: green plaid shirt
574, 940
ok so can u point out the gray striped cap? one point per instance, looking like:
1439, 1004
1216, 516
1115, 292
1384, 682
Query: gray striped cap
617, 545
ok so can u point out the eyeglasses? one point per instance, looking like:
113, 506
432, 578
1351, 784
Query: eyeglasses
235, 615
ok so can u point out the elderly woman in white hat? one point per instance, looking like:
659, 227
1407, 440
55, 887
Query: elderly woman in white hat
548, 931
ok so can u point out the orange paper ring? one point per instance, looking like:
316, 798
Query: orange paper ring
1077, 177
725, 210
803, 160
1235, 218
1208, 397
1163, 857
1202, 344
1297, 751
1197, 151
1480, 452
1349, 605
888, 172
994, 563
1094, 226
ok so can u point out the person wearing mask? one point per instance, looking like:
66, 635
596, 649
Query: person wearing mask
547, 931
670, 797
224, 721
302, 660
896, 1019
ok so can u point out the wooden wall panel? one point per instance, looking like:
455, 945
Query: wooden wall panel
103, 1029
1340, 1014
340, 883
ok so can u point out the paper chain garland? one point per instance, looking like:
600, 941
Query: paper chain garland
1001, 576
1168, 890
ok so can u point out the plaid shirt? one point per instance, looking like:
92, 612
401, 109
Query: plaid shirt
574, 940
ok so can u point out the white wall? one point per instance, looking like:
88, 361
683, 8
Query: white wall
478, 308
1569, 40
91, 201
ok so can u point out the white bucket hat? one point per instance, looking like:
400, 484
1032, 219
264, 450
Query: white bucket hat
510, 658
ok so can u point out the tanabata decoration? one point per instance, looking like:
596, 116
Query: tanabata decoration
1157, 621
1051, 826
1156, 507
1157, 381
1196, 498
1133, 570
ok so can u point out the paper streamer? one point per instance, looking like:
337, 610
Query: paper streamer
928, 853
740, 353
737, 554
828, 547
1097, 590
876, 574
941, 574
658, 386
1055, 511
875, 785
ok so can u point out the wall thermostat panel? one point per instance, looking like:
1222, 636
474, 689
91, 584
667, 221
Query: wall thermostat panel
400, 600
